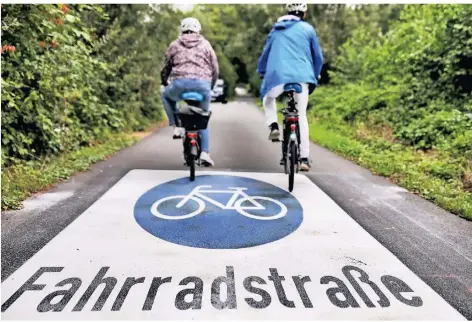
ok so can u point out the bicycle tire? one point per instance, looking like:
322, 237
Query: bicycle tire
285, 152
285, 156
286, 167
298, 147
293, 160
191, 163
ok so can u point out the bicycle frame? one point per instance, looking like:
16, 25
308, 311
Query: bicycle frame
236, 191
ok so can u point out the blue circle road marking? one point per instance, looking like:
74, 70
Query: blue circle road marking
218, 212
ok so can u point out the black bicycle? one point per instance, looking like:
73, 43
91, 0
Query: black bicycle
193, 119
291, 135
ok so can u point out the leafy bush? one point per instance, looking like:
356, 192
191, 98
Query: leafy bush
436, 128
47, 81
408, 87
416, 77
72, 74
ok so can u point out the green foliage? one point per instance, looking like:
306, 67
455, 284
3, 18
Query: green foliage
405, 96
400, 99
78, 73
227, 73
219, 23
417, 77
43, 77
334, 24
343, 119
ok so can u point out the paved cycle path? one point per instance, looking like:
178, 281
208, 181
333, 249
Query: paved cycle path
230, 245
345, 244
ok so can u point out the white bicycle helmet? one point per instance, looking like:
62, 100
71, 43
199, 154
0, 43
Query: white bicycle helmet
291, 7
190, 24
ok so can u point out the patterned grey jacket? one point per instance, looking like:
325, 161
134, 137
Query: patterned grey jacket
190, 56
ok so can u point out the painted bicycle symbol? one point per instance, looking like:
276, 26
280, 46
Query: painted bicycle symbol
244, 205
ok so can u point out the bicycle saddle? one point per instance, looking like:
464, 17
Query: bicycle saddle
297, 88
192, 96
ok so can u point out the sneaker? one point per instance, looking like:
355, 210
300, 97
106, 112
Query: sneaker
179, 132
206, 160
304, 164
274, 132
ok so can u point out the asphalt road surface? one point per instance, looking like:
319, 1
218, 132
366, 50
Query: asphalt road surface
132, 238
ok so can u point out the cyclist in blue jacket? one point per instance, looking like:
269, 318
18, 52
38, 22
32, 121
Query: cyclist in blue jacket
292, 54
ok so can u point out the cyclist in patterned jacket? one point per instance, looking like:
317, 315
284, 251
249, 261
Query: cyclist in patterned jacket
190, 65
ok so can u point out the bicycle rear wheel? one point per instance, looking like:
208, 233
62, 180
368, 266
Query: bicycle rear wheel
293, 160
191, 163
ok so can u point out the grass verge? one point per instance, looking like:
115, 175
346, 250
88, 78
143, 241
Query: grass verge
24, 178
420, 173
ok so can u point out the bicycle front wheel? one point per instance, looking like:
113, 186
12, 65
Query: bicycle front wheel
191, 163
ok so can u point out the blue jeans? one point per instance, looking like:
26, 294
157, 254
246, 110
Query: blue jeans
171, 96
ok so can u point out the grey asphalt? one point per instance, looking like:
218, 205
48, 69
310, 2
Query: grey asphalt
434, 244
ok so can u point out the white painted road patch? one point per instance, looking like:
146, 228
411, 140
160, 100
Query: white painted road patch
106, 266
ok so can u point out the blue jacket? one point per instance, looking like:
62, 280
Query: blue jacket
292, 54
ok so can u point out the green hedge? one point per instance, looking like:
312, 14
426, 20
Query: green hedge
417, 78
405, 98
78, 73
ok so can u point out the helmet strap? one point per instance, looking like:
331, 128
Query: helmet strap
299, 14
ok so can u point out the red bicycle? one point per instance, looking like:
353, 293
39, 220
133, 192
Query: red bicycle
291, 135
193, 119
